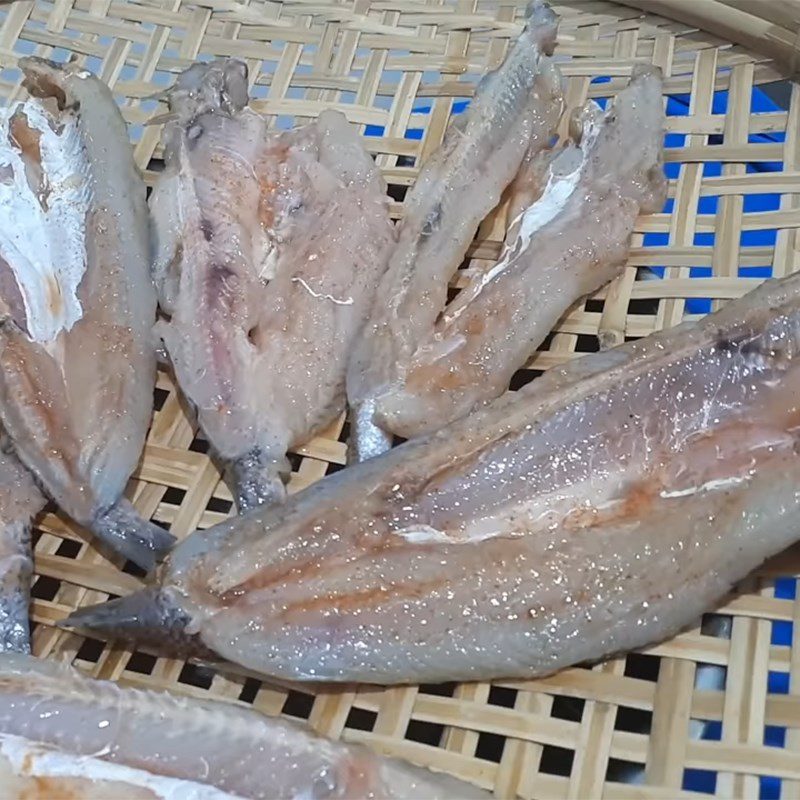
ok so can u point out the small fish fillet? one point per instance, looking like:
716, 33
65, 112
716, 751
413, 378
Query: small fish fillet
602, 508
565, 245
515, 110
270, 247
20, 500
77, 361
63, 734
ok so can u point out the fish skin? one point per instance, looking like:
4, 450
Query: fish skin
307, 209
127, 738
602, 508
20, 500
515, 110
77, 372
568, 243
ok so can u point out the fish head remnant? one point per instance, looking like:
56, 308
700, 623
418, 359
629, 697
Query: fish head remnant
215, 86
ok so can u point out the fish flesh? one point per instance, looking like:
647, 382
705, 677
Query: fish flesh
562, 246
515, 111
269, 249
77, 355
601, 508
20, 501
63, 734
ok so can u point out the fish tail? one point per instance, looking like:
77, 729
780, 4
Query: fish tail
123, 530
257, 479
149, 616
16, 570
367, 439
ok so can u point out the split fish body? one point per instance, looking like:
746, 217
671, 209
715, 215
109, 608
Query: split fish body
77, 355
65, 735
600, 509
566, 243
269, 248
515, 111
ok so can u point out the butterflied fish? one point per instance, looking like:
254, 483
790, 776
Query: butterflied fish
65, 735
600, 509
515, 110
20, 500
77, 359
269, 247
563, 246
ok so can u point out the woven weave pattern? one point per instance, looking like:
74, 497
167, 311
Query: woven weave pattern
396, 68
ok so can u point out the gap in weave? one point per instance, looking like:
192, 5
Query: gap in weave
556, 761
45, 588
490, 747
197, 675
424, 732
159, 398
438, 689
219, 505
568, 708
298, 704
69, 548
250, 690
361, 719
173, 496
633, 720
90, 650
522, 377
142, 663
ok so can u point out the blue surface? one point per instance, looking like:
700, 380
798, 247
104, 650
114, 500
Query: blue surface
678, 105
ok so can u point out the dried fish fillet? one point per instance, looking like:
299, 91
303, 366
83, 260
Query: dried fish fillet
515, 110
20, 500
65, 735
77, 361
564, 245
270, 247
602, 508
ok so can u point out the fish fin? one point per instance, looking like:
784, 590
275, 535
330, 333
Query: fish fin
127, 533
149, 616
258, 479
367, 439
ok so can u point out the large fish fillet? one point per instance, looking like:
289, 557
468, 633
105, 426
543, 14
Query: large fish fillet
269, 249
601, 509
515, 110
563, 246
20, 500
67, 736
77, 357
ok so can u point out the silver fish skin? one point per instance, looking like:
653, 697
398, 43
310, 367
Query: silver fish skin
20, 501
566, 244
67, 735
515, 110
269, 250
600, 509
77, 355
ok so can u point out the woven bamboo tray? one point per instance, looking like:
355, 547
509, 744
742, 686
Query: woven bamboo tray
397, 68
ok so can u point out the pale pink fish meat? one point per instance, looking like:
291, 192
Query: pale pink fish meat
65, 735
77, 355
269, 249
20, 500
564, 245
515, 110
602, 508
